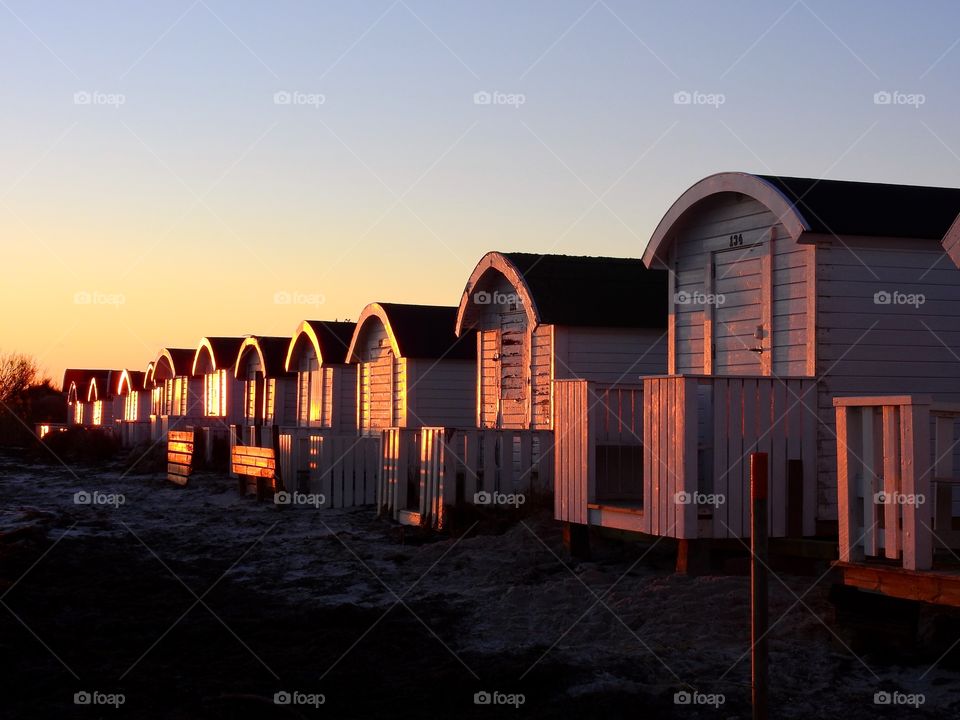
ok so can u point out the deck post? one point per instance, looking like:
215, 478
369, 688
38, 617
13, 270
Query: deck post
848, 428
915, 483
759, 600
576, 538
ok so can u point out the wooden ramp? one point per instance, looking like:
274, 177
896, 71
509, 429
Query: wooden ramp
256, 467
180, 446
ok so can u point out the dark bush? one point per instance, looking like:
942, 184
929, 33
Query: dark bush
82, 445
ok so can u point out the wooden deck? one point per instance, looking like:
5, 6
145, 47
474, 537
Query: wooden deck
935, 586
895, 497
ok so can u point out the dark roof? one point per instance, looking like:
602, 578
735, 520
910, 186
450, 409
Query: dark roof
224, 349
182, 359
136, 379
427, 331
860, 208
82, 378
274, 351
334, 338
594, 291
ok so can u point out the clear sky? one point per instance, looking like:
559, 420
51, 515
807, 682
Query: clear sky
186, 168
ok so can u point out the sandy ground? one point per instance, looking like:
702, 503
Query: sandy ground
196, 602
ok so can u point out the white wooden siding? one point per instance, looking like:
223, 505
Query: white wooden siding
613, 355
382, 381
899, 355
488, 378
543, 368
441, 393
692, 256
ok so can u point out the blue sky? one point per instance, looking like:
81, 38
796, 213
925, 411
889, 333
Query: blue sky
183, 187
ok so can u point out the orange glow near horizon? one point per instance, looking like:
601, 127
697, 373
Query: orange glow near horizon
194, 204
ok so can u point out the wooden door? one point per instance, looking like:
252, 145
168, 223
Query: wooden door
514, 369
488, 371
738, 331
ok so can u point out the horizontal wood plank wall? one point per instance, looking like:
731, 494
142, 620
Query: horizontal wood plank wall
442, 393
717, 219
488, 378
180, 445
615, 355
542, 369
866, 347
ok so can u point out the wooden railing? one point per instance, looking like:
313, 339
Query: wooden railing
599, 429
889, 485
696, 433
132, 432
345, 469
428, 470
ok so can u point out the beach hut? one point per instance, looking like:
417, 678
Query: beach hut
101, 393
412, 369
540, 318
76, 384
319, 451
213, 364
415, 379
131, 407
175, 396
785, 294
326, 385
269, 391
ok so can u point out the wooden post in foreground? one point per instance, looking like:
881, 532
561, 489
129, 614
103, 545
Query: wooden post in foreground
759, 600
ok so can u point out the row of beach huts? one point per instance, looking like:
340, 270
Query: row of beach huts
817, 321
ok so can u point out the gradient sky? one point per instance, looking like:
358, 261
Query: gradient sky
199, 198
